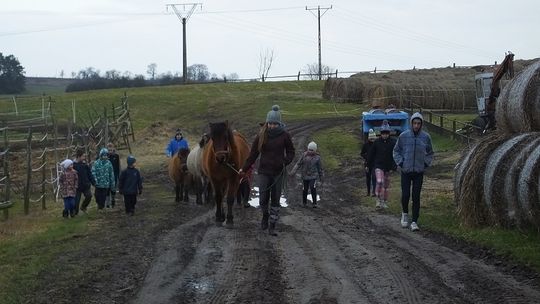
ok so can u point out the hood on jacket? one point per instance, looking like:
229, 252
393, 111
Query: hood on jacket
419, 116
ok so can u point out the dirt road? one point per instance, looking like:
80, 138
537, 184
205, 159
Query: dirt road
340, 252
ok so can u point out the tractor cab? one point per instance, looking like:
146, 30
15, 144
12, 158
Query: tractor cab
483, 84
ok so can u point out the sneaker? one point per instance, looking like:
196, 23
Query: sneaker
405, 220
378, 204
414, 226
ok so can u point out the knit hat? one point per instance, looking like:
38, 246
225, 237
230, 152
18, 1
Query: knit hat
385, 127
372, 134
66, 163
274, 115
103, 152
312, 146
131, 160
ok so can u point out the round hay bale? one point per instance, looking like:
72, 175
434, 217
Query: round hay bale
494, 176
471, 204
518, 108
514, 212
459, 170
340, 89
528, 188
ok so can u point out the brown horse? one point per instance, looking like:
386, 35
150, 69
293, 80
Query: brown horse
224, 154
179, 174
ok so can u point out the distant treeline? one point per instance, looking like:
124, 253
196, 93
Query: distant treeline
92, 79
97, 82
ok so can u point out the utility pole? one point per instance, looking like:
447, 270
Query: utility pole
318, 8
183, 14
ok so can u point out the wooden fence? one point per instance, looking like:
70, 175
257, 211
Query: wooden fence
41, 149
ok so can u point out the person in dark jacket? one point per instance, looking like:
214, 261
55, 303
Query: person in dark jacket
86, 180
381, 159
370, 174
274, 146
114, 158
413, 153
130, 185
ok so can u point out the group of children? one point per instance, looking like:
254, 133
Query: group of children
78, 176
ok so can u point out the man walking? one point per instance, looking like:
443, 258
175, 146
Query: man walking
413, 153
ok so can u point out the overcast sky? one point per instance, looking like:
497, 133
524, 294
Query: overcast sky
229, 36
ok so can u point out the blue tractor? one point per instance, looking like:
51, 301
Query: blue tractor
373, 119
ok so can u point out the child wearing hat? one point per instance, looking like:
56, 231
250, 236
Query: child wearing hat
381, 159
130, 185
370, 174
69, 181
102, 171
311, 169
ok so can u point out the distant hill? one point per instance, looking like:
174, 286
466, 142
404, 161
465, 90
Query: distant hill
46, 85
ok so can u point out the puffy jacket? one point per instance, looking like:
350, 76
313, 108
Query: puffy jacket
413, 152
175, 145
310, 166
68, 183
102, 170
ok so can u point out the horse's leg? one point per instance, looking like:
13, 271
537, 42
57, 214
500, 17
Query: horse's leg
198, 193
231, 193
220, 217
177, 190
186, 191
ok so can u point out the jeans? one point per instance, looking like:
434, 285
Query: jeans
415, 179
130, 200
101, 196
309, 185
69, 206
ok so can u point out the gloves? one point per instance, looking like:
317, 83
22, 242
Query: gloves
367, 169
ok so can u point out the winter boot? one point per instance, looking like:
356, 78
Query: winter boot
272, 229
314, 198
404, 220
65, 213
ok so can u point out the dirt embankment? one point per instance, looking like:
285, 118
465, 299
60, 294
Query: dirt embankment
338, 253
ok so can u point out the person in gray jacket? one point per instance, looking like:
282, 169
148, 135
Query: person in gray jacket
412, 153
311, 169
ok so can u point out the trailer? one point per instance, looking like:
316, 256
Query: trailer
373, 119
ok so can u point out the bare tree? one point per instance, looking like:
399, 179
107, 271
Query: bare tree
151, 71
62, 74
266, 57
312, 71
198, 72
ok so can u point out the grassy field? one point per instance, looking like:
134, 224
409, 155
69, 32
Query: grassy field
29, 242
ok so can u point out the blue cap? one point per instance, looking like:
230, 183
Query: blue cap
131, 160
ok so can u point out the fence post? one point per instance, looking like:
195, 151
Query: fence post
43, 179
262, 77
336, 73
28, 172
106, 128
441, 121
6, 173
15, 103
430, 117
454, 126
298, 77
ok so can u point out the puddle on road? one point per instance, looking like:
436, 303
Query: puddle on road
200, 286
254, 201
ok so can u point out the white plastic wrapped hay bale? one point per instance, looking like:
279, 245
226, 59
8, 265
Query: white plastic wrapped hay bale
497, 166
518, 107
528, 196
512, 178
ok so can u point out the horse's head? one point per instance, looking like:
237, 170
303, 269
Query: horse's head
221, 137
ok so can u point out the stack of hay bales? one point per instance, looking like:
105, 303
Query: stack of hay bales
497, 182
